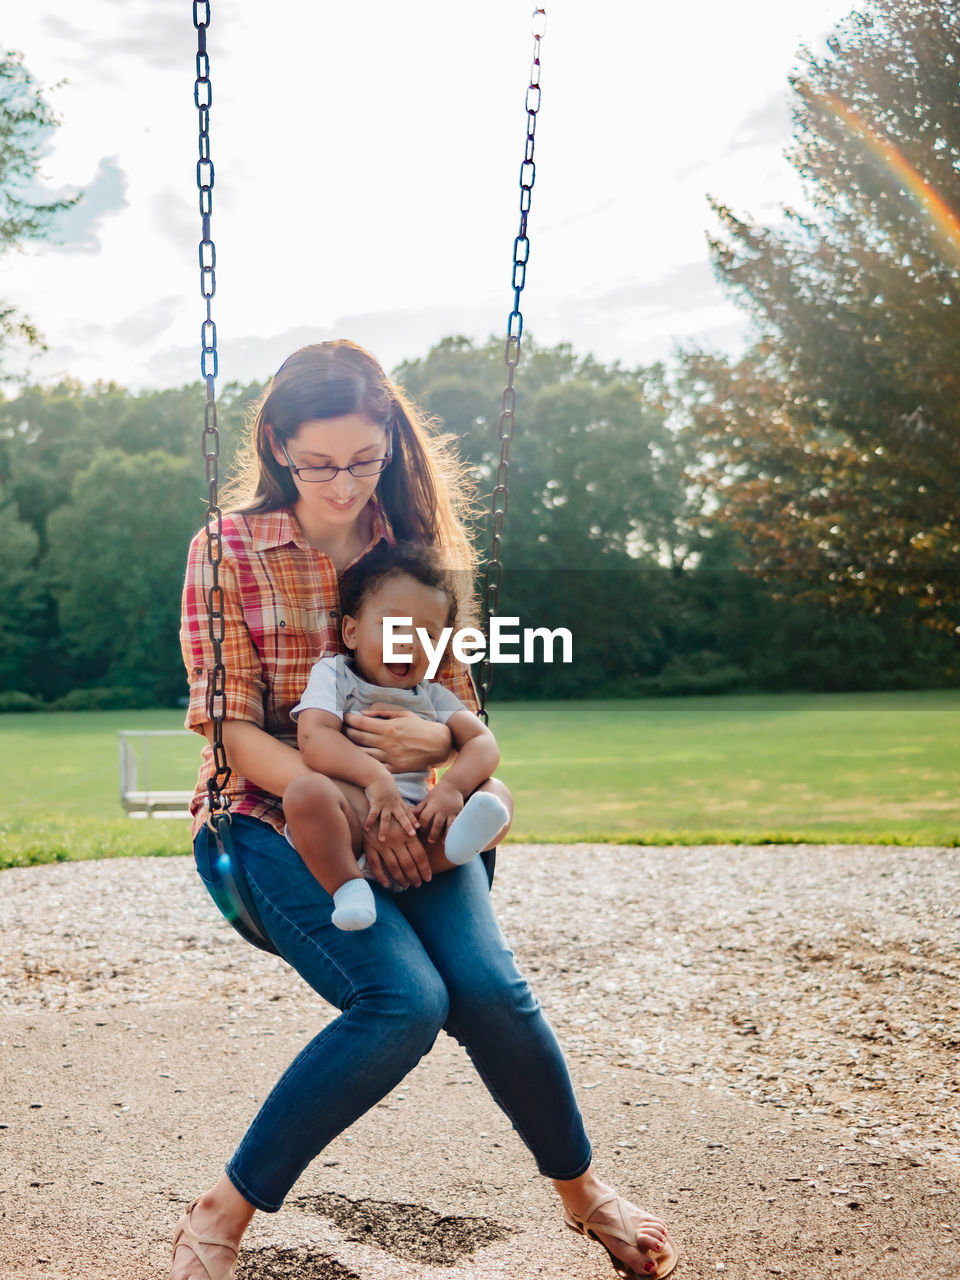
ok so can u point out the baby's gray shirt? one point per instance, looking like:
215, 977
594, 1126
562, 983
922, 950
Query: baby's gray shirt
334, 686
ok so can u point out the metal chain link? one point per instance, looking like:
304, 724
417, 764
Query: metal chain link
493, 569
210, 440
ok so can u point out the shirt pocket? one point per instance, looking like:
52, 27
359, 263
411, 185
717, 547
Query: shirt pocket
276, 626
299, 636
315, 630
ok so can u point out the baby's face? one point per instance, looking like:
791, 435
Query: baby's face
399, 596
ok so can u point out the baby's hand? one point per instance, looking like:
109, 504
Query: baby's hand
387, 807
438, 810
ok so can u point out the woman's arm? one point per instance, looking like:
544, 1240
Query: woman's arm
398, 738
252, 752
388, 734
255, 754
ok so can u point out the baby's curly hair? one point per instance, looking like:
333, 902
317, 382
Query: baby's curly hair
417, 560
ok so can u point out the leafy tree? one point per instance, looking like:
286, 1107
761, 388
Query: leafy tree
597, 503
596, 477
47, 436
170, 420
25, 123
50, 434
20, 592
115, 564
833, 446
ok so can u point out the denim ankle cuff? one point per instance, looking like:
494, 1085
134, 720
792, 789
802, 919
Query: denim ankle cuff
247, 1194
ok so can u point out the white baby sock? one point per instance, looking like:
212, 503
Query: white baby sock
474, 827
354, 906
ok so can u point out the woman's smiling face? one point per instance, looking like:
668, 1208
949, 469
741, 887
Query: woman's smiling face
334, 442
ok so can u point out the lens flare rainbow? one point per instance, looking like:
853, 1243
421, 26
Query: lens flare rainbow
945, 222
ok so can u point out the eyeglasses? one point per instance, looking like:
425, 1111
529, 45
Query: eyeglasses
318, 475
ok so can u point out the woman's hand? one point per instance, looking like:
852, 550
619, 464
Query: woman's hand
398, 738
402, 860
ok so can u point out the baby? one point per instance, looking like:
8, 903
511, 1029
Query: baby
456, 819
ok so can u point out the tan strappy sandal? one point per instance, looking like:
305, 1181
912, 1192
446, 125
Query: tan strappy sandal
666, 1259
185, 1235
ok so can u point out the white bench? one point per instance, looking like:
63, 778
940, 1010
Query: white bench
139, 798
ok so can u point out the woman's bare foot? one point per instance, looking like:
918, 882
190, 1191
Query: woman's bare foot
224, 1214
652, 1239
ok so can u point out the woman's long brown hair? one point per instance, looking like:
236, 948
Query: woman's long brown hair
425, 491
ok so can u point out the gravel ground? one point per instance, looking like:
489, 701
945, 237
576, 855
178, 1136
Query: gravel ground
764, 1041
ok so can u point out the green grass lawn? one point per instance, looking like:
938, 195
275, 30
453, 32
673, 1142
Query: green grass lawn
864, 768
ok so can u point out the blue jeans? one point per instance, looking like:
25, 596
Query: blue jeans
435, 959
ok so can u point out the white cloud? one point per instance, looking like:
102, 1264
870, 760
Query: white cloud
77, 229
366, 174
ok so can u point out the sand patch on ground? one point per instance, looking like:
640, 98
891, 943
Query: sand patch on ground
764, 1041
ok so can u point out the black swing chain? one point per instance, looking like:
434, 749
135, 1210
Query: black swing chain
210, 442
493, 569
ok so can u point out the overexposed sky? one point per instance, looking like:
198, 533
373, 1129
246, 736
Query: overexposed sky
367, 160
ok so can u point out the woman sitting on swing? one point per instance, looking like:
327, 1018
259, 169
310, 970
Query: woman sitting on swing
435, 958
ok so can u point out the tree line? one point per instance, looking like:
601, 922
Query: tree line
787, 519
604, 534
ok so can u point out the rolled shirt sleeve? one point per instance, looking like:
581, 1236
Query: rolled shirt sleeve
244, 686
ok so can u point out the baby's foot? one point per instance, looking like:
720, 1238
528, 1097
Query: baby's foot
474, 827
354, 906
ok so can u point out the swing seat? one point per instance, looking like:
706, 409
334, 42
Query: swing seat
220, 869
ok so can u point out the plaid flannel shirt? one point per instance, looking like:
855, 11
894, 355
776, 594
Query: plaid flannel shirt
281, 615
